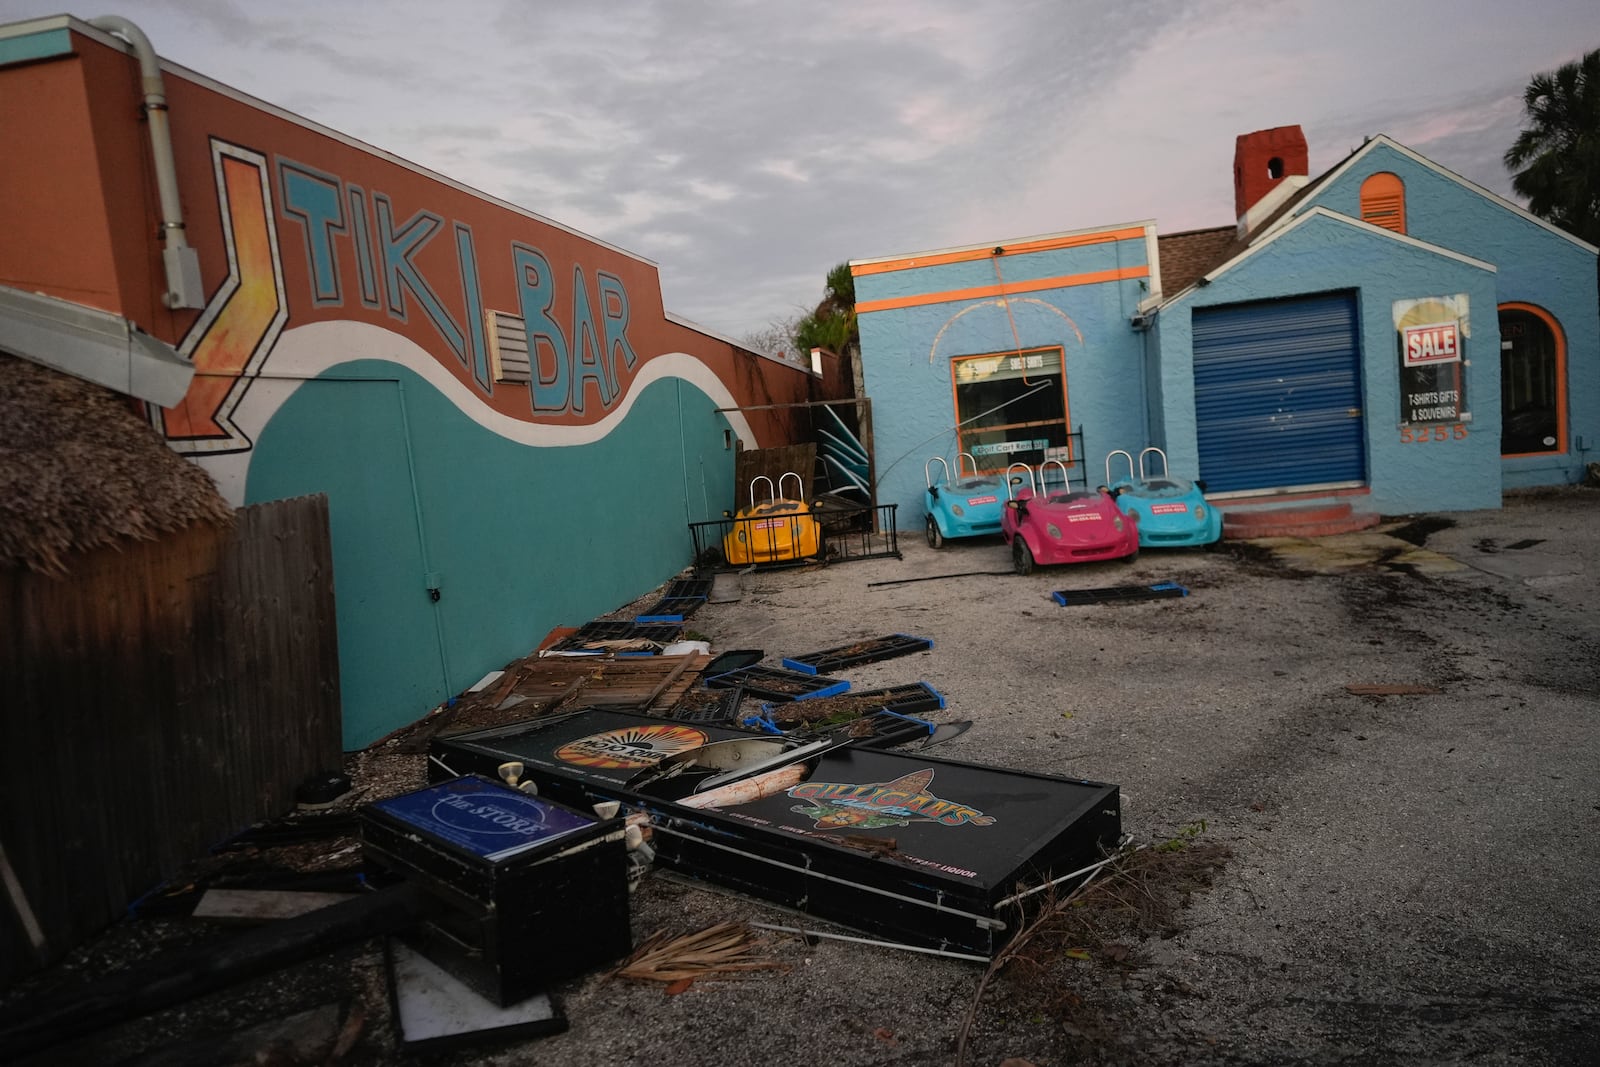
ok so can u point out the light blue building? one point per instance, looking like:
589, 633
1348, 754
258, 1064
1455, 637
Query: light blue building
1387, 335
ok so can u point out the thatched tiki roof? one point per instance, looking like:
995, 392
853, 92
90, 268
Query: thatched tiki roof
80, 470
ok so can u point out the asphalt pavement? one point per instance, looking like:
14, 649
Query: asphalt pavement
1413, 876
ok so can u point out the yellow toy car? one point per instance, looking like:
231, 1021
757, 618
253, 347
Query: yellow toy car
776, 529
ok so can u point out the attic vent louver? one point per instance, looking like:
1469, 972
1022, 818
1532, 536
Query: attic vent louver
1383, 202
508, 348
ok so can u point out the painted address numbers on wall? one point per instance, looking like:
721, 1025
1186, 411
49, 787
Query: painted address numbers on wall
1415, 435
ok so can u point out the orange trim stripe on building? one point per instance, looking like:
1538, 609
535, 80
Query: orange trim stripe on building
983, 292
1047, 244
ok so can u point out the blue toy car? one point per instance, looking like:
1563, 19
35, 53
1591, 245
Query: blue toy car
967, 507
1172, 512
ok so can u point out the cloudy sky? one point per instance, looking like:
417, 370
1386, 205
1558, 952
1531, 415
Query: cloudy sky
746, 146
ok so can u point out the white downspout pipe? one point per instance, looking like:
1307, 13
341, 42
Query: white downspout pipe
184, 288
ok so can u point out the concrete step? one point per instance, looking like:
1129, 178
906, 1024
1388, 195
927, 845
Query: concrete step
1315, 520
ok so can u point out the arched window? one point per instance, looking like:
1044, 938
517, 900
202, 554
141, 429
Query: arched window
1533, 381
1383, 201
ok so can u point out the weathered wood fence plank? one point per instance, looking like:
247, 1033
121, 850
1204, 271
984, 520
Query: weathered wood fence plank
156, 700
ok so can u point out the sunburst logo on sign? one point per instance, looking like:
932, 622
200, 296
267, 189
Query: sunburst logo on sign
630, 748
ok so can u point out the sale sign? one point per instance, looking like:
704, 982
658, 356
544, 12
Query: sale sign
1433, 334
1434, 342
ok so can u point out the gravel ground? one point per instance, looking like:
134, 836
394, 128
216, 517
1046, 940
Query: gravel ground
1412, 877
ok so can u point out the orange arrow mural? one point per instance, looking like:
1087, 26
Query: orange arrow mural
231, 338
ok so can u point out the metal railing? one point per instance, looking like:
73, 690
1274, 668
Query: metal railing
848, 533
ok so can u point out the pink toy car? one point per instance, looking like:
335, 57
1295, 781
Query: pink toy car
1057, 525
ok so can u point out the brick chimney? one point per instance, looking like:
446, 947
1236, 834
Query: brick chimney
1261, 162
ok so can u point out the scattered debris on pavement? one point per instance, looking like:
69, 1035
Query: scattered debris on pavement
723, 949
492, 871
1118, 594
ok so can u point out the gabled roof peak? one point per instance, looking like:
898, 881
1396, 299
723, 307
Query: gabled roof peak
1382, 140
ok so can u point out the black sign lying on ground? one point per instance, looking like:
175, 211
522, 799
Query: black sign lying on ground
915, 850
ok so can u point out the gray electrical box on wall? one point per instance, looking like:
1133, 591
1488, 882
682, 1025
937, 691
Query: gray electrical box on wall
183, 274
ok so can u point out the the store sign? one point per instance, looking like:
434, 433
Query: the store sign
1432, 333
1437, 342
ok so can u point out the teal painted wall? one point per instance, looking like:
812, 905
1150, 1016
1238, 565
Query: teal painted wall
1534, 266
45, 44
1323, 255
521, 539
906, 354
388, 628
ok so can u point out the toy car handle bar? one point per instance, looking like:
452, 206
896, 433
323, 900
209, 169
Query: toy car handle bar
1032, 485
1118, 452
1144, 477
1066, 478
927, 469
775, 492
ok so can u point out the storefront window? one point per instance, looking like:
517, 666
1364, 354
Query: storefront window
1012, 408
1532, 400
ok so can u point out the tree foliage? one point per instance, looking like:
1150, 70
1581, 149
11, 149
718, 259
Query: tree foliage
832, 323
1555, 160
776, 338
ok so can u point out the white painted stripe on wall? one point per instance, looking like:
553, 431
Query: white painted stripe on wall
307, 352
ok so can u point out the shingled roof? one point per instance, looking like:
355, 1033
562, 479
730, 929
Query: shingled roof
80, 470
1188, 256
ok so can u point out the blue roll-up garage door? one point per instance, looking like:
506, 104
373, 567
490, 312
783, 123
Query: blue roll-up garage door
1277, 392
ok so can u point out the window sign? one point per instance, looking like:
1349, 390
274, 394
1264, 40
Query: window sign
1432, 334
997, 368
999, 448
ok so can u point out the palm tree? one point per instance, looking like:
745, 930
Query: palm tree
832, 324
1555, 162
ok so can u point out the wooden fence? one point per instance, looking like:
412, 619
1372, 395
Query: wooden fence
152, 703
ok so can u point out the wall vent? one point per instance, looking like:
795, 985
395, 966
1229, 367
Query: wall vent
508, 348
